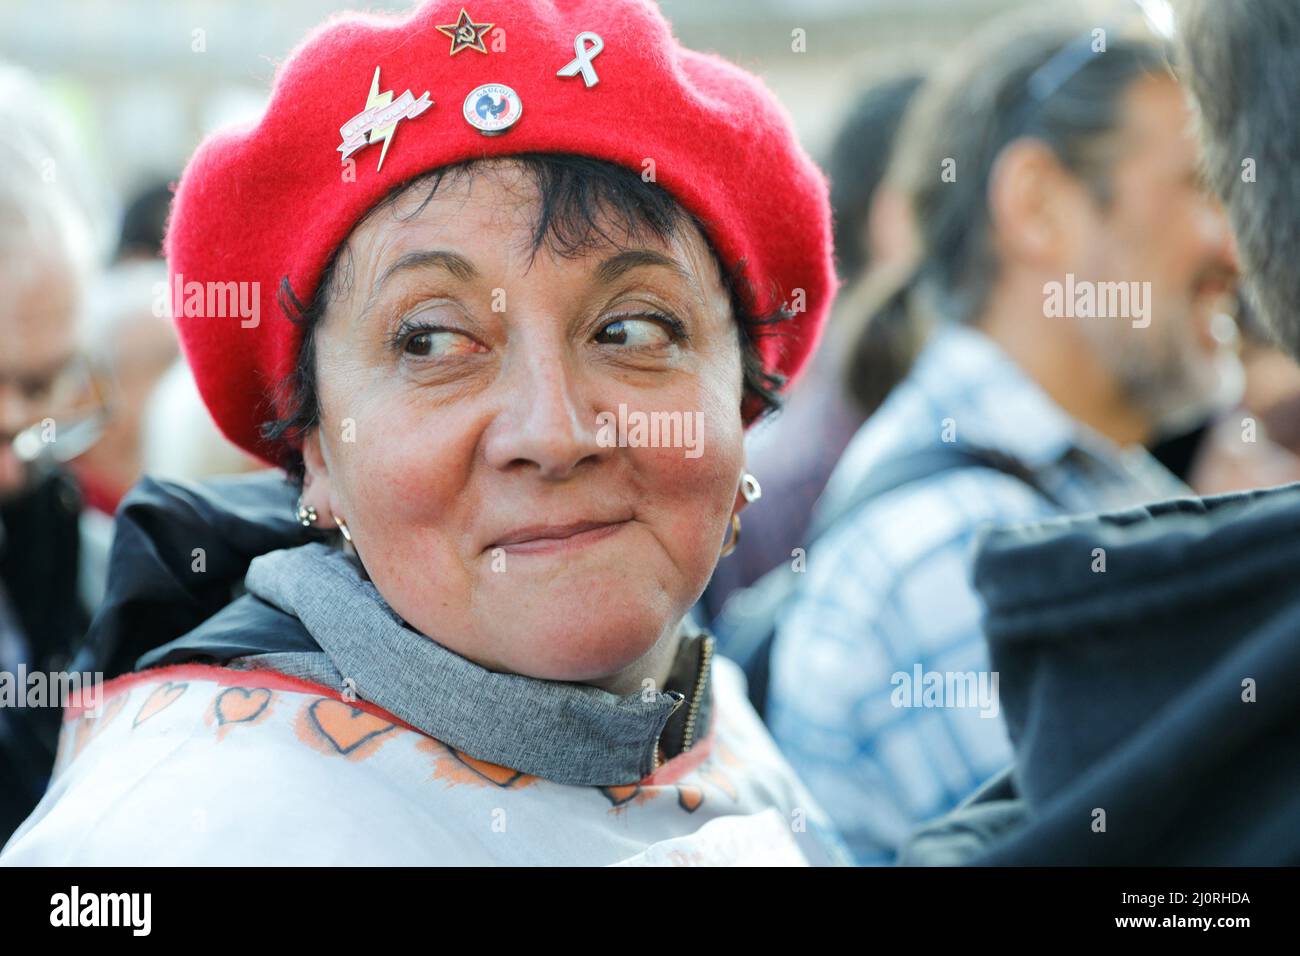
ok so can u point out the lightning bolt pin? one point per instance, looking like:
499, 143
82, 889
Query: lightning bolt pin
386, 134
378, 121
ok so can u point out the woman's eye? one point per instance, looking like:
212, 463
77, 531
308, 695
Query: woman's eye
439, 343
636, 332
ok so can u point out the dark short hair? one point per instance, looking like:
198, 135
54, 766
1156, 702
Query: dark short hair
1242, 62
857, 162
968, 113
144, 222
582, 203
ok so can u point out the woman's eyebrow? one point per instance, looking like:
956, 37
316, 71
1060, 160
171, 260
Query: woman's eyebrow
621, 262
457, 265
460, 267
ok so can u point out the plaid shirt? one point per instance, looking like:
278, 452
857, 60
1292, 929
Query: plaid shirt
889, 589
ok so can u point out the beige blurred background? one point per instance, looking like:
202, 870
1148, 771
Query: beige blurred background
144, 80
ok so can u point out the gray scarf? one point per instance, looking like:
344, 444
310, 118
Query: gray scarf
566, 732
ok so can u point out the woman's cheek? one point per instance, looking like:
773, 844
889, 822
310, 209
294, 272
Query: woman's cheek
406, 491
691, 495
407, 457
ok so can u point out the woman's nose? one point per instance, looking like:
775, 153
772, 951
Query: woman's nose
542, 423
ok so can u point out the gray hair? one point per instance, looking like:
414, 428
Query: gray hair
44, 207
1242, 60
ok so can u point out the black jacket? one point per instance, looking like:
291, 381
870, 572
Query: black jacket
176, 573
1153, 705
39, 560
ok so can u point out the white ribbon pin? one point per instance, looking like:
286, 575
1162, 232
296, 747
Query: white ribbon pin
585, 54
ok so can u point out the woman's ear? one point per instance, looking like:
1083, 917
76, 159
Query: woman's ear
316, 480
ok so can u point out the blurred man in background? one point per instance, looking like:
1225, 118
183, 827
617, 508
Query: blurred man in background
48, 413
1158, 698
1036, 164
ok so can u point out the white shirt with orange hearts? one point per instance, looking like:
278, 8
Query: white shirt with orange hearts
201, 765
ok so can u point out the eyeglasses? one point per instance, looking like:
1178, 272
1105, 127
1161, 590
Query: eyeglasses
77, 407
1067, 62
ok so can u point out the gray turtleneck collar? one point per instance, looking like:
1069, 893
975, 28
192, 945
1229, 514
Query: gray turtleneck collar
565, 732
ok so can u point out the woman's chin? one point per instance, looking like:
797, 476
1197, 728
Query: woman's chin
586, 646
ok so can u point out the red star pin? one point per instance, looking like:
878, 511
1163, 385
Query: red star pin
466, 34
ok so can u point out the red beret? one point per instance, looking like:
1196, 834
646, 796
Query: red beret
261, 204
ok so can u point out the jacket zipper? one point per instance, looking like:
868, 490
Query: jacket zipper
677, 703
697, 697
706, 655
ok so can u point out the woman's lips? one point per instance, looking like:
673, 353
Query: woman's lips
553, 538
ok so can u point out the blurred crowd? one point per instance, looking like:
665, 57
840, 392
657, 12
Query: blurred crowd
949, 394
93, 394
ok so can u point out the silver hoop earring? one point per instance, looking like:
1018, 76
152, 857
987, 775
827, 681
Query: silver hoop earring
343, 526
750, 488
305, 514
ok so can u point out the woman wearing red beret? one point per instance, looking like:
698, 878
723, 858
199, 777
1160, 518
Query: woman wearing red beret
500, 292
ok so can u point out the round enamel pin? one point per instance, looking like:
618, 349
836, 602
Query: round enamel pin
492, 108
